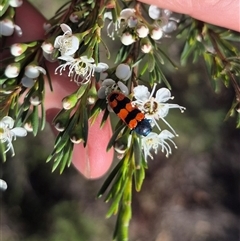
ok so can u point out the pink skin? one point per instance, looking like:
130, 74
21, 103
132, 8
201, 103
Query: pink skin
92, 161
224, 13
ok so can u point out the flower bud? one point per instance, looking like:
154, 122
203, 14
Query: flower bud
69, 101
92, 95
17, 49
142, 31
47, 47
76, 135
8, 86
157, 33
28, 126
47, 26
199, 38
48, 52
74, 17
35, 100
61, 120
127, 38
15, 3
32, 71
132, 22
12, 70
6, 27
146, 47
76, 140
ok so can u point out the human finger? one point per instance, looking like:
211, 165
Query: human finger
222, 13
92, 161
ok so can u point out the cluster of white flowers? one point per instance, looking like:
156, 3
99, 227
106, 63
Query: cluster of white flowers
8, 133
164, 22
155, 109
80, 69
133, 26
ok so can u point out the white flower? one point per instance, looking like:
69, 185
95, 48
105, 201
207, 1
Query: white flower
155, 108
8, 133
67, 43
127, 17
81, 69
154, 140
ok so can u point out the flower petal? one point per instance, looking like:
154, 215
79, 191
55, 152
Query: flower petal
163, 95
8, 121
154, 12
19, 131
165, 134
127, 13
108, 82
123, 71
27, 82
123, 87
102, 92
141, 92
86, 59
66, 29
101, 67
57, 41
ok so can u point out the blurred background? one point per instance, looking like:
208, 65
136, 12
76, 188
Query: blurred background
191, 196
